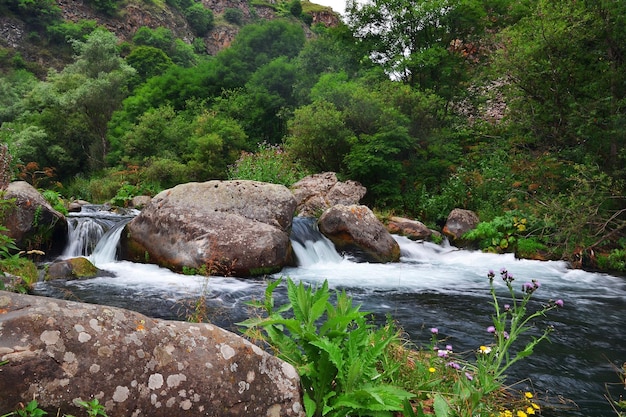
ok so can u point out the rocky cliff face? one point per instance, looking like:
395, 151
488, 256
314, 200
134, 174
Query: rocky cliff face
15, 35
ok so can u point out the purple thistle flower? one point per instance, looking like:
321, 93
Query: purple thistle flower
491, 329
449, 347
559, 303
453, 365
507, 307
434, 330
469, 376
442, 353
506, 335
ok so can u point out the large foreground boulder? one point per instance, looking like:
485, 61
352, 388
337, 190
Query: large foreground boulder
317, 192
357, 231
33, 223
59, 352
238, 228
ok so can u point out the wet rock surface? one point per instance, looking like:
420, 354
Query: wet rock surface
355, 230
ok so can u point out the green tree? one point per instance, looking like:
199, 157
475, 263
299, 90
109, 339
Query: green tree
199, 18
566, 65
412, 39
318, 137
148, 61
75, 105
233, 15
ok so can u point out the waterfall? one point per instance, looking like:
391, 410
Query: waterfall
310, 245
94, 233
106, 249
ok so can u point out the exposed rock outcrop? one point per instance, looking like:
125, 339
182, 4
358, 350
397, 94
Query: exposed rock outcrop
33, 223
459, 222
59, 351
356, 230
318, 192
413, 229
236, 228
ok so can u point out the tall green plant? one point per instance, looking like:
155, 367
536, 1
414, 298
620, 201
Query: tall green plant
333, 347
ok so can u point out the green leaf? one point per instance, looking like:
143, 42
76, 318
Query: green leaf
309, 405
441, 407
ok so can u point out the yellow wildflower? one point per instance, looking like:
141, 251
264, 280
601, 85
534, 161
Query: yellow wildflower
530, 410
528, 395
535, 406
520, 413
484, 349
431, 369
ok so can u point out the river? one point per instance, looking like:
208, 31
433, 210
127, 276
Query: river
433, 286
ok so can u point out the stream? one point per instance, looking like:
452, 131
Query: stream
433, 286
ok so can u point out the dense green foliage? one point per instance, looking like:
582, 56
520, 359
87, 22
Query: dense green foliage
513, 109
335, 350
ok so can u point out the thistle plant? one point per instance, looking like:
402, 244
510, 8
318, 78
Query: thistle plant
470, 387
509, 322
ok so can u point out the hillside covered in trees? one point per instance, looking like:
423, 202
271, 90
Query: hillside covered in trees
513, 109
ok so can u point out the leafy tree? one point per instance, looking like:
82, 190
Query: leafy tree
295, 8
148, 61
411, 39
160, 37
74, 106
566, 65
318, 137
13, 87
69, 31
199, 18
108, 7
36, 13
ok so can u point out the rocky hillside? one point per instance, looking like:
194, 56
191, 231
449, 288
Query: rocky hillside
18, 34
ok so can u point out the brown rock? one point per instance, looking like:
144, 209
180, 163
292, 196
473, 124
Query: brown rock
459, 222
58, 352
33, 223
236, 228
412, 229
317, 192
356, 231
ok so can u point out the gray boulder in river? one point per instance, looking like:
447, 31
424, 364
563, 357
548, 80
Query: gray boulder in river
238, 228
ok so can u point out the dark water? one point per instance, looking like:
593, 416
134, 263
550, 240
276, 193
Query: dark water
433, 286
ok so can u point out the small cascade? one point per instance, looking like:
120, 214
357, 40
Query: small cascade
106, 249
310, 245
92, 230
412, 251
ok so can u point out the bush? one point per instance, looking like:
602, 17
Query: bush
268, 164
234, 16
199, 18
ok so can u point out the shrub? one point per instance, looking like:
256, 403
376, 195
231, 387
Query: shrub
234, 16
268, 164
199, 18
